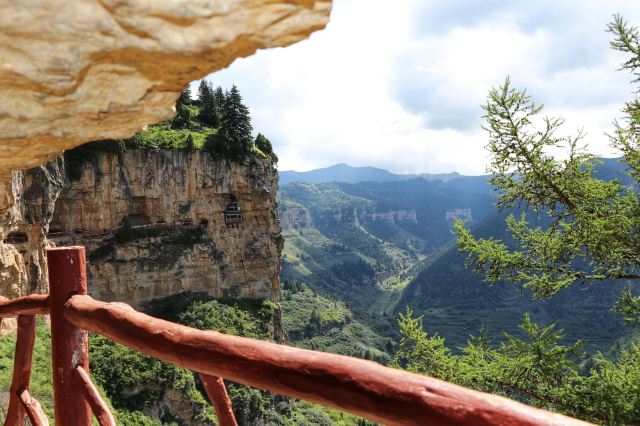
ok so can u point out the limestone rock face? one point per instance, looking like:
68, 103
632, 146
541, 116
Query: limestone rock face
390, 216
174, 238
76, 71
27, 201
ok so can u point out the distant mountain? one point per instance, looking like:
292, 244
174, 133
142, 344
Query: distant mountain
348, 240
345, 173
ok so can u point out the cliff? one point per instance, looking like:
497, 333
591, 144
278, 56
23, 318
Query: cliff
294, 215
153, 224
152, 221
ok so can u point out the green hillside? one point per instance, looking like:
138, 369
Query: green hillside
456, 302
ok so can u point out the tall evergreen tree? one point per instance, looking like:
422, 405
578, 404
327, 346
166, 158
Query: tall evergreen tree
235, 124
580, 228
218, 96
207, 115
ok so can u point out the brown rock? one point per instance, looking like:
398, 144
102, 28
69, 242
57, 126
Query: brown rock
76, 71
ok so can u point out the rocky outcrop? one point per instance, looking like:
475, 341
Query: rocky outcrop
294, 215
391, 216
83, 70
27, 201
153, 223
367, 213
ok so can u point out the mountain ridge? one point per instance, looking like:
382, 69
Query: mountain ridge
342, 172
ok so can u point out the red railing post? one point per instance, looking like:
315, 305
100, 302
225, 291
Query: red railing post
67, 277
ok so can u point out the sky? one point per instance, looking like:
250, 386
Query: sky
399, 84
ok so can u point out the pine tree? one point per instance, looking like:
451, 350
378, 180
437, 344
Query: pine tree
207, 115
582, 228
235, 124
218, 96
182, 120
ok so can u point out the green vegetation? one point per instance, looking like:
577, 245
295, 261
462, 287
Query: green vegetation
217, 121
264, 146
41, 386
582, 228
536, 369
138, 383
314, 321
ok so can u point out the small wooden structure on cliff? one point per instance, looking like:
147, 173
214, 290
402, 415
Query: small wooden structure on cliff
365, 388
233, 213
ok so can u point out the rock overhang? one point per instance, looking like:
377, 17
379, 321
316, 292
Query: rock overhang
77, 71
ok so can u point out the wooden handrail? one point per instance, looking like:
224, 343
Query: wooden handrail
217, 391
364, 388
27, 305
361, 387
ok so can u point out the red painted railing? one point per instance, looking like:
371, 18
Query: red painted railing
365, 388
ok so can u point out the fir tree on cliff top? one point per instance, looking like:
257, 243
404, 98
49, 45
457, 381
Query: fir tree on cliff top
235, 120
182, 120
233, 138
185, 97
207, 115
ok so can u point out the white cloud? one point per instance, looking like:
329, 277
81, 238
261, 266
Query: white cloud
379, 87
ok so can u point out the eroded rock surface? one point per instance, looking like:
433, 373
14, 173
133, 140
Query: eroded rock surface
76, 71
27, 201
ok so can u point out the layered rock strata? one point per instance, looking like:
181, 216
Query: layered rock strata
153, 223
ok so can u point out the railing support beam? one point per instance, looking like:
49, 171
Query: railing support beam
33, 409
16, 413
219, 397
98, 406
67, 277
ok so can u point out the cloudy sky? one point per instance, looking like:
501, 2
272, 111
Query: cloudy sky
398, 84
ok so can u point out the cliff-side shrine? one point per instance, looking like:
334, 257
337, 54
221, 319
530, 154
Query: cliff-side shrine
233, 213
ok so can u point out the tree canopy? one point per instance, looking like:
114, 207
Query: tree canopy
208, 107
536, 367
566, 225
578, 227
